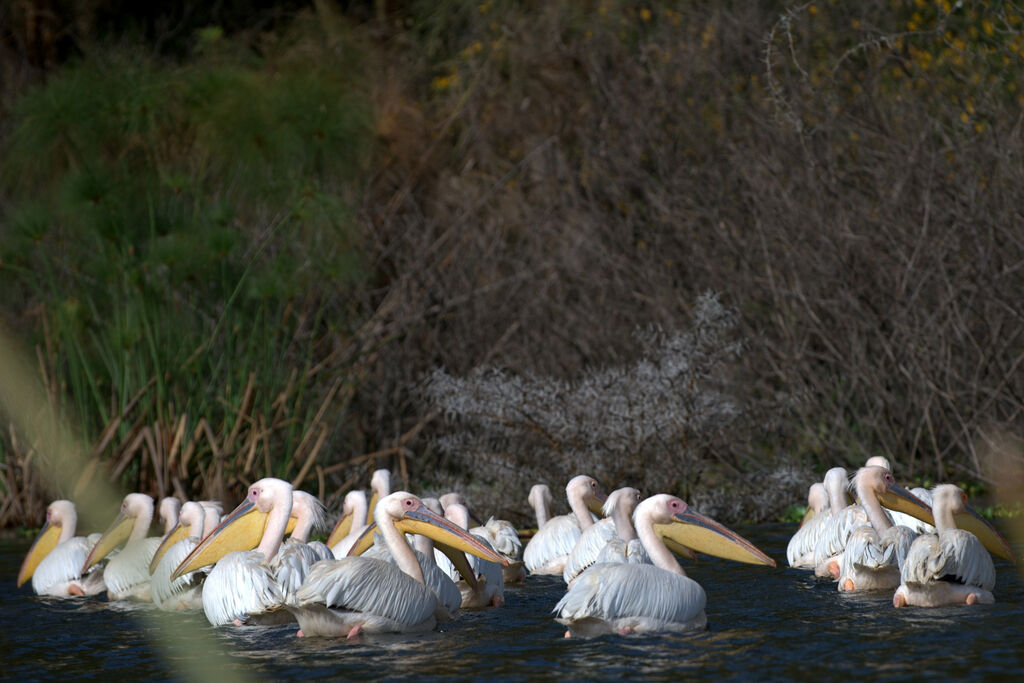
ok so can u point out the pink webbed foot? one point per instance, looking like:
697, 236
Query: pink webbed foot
354, 632
972, 599
237, 622
898, 600
567, 635
299, 634
848, 585
833, 569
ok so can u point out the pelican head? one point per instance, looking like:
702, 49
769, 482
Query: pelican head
354, 502
878, 461
132, 523
628, 498
190, 523
587, 489
61, 519
947, 497
540, 494
878, 481
674, 519
410, 515
244, 528
168, 510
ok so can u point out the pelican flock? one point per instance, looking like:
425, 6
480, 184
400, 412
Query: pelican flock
395, 562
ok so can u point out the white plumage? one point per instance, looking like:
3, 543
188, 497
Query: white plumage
127, 573
800, 549
630, 597
950, 566
54, 562
616, 526
548, 550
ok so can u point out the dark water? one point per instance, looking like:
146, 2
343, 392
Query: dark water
763, 624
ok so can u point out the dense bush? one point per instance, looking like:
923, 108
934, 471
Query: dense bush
543, 180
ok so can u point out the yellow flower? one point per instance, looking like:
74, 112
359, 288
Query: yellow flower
645, 14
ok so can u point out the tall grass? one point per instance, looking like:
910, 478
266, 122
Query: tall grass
176, 240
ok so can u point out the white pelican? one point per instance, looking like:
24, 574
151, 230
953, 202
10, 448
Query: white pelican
54, 562
489, 588
549, 548
351, 525
616, 526
185, 592
505, 541
168, 510
800, 550
127, 573
441, 566
837, 525
247, 585
951, 566
625, 598
356, 594
875, 551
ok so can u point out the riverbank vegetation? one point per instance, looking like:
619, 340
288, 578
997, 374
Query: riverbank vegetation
464, 240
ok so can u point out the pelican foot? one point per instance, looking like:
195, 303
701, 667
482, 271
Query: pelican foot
354, 633
625, 631
848, 585
75, 589
972, 599
237, 622
833, 569
299, 634
898, 600
498, 601
567, 635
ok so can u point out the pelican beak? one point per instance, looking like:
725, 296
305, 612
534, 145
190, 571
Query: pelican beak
173, 536
705, 535
241, 530
364, 542
595, 503
373, 506
970, 520
673, 545
808, 515
897, 498
461, 563
116, 534
342, 529
420, 520
44, 544
289, 527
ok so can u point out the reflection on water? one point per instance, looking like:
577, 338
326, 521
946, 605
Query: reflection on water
762, 623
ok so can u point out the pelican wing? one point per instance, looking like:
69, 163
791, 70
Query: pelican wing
554, 540
623, 552
127, 573
185, 590
293, 561
62, 566
502, 536
240, 585
955, 554
837, 531
616, 591
587, 548
367, 585
800, 551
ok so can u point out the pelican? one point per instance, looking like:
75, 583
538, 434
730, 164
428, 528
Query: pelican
352, 524
186, 592
380, 486
951, 566
504, 540
616, 526
357, 594
548, 550
54, 562
875, 551
626, 598
247, 585
837, 525
168, 510
800, 551
127, 573
489, 588
441, 566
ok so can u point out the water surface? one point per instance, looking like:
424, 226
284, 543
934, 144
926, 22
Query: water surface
763, 624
